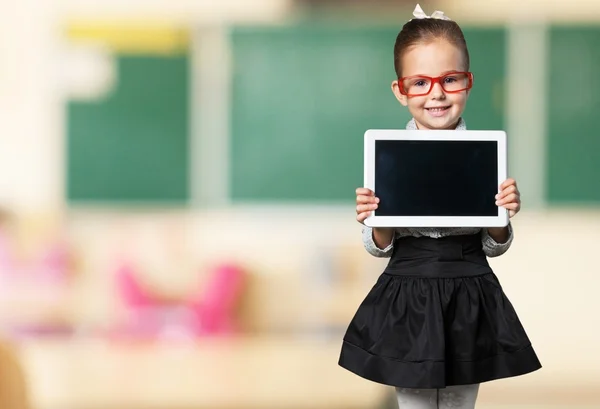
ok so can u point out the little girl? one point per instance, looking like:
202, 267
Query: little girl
437, 322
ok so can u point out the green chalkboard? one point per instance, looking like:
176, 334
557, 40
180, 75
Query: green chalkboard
303, 96
487, 50
573, 168
132, 146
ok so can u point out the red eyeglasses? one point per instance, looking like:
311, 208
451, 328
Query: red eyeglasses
419, 85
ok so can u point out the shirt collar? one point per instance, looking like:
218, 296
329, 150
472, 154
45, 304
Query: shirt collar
412, 125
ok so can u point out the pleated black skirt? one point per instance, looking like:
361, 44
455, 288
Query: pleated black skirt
437, 317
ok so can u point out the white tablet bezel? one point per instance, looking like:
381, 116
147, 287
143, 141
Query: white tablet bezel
372, 135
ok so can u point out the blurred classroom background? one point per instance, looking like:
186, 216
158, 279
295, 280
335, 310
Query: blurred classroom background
177, 226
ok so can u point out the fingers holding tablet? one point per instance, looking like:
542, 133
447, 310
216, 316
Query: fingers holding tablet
366, 202
509, 197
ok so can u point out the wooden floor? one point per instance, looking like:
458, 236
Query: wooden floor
214, 374
545, 406
249, 373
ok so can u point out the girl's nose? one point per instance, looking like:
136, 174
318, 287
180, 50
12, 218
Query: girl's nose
437, 91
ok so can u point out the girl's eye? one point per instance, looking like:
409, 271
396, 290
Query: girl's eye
450, 80
420, 83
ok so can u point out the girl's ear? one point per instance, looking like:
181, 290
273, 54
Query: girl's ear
403, 99
472, 83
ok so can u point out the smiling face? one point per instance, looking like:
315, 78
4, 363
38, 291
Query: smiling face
439, 109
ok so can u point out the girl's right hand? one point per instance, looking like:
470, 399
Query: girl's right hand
366, 202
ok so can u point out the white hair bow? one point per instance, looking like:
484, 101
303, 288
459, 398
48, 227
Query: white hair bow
419, 13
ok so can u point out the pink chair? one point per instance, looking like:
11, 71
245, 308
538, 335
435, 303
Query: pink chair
51, 266
131, 291
7, 262
44, 281
216, 307
211, 311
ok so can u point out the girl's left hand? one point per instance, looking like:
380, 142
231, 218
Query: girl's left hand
509, 197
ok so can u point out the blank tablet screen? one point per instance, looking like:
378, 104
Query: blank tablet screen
436, 178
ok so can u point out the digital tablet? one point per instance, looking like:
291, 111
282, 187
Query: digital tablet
435, 178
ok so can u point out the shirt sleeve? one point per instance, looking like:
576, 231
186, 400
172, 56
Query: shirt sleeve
371, 247
491, 248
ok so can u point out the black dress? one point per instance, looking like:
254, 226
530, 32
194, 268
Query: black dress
437, 317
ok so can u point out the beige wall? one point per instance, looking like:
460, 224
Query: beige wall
522, 11
30, 114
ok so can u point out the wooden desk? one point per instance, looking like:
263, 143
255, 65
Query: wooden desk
250, 373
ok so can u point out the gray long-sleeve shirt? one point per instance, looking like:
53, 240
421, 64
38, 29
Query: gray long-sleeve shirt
490, 247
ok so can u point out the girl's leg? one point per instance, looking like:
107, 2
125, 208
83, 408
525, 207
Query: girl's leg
417, 398
452, 397
458, 397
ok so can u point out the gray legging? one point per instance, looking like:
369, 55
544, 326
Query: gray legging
452, 397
